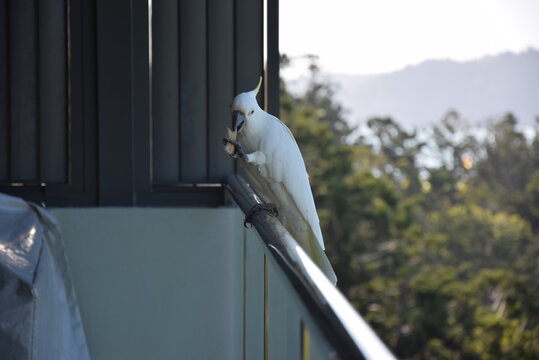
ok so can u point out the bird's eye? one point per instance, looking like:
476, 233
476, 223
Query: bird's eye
251, 112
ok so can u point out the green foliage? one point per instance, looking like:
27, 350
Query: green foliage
441, 260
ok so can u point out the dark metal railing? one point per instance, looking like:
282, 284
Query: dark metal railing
344, 328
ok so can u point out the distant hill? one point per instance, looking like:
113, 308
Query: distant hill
422, 94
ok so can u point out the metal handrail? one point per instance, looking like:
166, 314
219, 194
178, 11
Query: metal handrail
342, 325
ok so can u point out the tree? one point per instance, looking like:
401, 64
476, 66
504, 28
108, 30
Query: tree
440, 258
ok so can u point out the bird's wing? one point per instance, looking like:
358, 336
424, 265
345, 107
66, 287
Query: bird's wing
285, 165
286, 184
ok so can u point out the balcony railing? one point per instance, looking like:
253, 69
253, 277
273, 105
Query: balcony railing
345, 331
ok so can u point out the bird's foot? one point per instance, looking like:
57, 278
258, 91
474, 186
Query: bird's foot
269, 208
237, 146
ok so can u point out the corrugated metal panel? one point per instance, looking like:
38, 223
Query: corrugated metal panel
115, 102
33, 92
192, 85
52, 89
220, 84
124, 102
23, 90
249, 45
165, 91
4, 100
193, 91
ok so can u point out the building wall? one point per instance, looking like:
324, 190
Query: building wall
118, 103
277, 321
157, 283
183, 283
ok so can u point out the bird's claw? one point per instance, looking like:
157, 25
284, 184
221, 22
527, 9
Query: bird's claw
269, 208
238, 150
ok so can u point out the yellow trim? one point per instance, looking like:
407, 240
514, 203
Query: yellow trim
265, 307
305, 342
244, 292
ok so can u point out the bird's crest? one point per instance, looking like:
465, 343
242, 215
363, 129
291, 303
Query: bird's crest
245, 101
255, 91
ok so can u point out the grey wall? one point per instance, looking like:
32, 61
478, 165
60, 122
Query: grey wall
288, 319
182, 283
157, 283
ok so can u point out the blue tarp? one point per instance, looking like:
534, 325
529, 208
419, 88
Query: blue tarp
39, 315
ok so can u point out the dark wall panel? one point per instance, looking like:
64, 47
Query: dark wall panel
249, 46
193, 91
114, 102
4, 100
143, 134
82, 103
94, 111
273, 58
220, 84
23, 91
52, 91
47, 101
165, 96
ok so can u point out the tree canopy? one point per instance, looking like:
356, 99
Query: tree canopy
440, 257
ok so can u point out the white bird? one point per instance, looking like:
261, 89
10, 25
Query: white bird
276, 171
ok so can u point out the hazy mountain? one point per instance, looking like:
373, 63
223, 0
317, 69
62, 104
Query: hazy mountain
422, 94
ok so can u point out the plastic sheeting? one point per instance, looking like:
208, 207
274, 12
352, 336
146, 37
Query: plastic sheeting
39, 315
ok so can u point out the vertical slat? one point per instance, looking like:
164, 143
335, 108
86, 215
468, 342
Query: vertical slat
115, 134
254, 295
248, 39
272, 66
4, 127
22, 81
165, 92
305, 342
193, 91
220, 84
79, 55
52, 91
82, 102
283, 309
141, 101
266, 309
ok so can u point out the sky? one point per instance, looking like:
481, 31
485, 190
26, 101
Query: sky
378, 36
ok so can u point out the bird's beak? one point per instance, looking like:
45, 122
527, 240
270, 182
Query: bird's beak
238, 120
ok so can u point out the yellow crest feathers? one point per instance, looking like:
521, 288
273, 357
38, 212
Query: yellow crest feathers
258, 86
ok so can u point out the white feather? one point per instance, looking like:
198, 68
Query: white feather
275, 153
276, 170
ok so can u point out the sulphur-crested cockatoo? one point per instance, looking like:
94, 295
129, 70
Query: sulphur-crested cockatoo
276, 171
